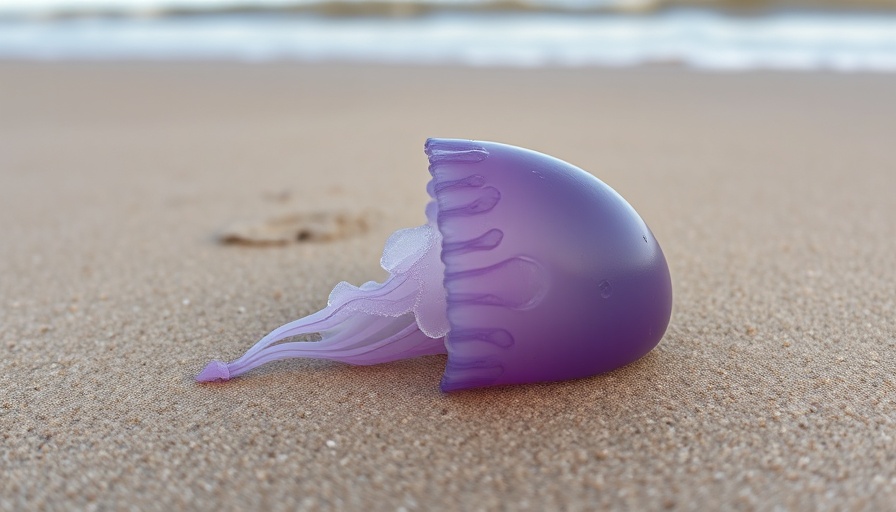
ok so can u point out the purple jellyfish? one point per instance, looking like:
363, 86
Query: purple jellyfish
528, 269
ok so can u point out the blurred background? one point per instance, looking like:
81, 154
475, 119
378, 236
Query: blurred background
719, 35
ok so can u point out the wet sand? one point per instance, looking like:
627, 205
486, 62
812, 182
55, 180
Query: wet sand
772, 196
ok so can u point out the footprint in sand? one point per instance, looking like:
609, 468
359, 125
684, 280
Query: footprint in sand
319, 226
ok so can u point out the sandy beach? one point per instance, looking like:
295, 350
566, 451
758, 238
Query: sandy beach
772, 195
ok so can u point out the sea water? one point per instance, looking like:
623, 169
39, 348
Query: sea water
544, 33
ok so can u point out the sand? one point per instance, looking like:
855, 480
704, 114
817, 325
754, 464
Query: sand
771, 194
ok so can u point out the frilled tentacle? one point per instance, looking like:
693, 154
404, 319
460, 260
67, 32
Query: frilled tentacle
374, 323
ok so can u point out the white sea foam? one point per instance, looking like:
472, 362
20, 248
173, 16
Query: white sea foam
700, 39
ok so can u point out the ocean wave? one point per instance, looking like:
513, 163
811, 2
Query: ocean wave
63, 9
697, 39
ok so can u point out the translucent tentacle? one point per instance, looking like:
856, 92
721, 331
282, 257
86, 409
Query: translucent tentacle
380, 351
328, 318
377, 322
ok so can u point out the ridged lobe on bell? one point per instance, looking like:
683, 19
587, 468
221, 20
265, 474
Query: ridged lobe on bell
459, 195
538, 289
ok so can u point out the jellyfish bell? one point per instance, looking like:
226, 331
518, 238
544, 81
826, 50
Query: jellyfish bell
528, 269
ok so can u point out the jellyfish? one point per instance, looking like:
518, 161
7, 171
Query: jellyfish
528, 269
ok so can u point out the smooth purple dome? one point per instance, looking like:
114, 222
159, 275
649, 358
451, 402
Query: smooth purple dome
550, 274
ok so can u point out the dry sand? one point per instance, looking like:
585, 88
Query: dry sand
771, 194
